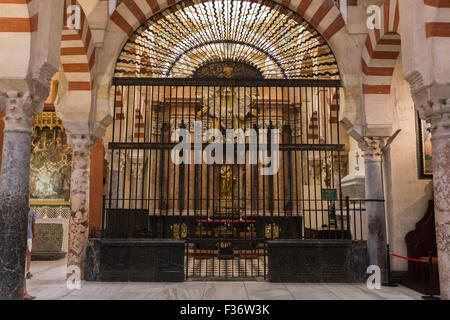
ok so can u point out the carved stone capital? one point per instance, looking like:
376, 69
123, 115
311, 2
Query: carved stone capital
372, 148
19, 111
437, 114
81, 143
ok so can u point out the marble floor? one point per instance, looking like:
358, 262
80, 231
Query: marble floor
48, 283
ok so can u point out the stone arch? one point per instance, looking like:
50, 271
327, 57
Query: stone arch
77, 52
78, 55
381, 50
129, 15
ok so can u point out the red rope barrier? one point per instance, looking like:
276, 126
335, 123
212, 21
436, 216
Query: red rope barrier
411, 259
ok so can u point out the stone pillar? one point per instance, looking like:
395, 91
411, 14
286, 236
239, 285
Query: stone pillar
14, 192
437, 113
116, 175
79, 200
376, 223
136, 181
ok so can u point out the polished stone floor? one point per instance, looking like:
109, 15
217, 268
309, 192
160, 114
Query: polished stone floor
48, 283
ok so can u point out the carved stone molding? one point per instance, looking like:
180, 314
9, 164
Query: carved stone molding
372, 148
416, 81
39, 84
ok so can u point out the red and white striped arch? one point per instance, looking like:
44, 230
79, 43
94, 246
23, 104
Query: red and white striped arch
380, 53
322, 14
77, 53
437, 18
18, 20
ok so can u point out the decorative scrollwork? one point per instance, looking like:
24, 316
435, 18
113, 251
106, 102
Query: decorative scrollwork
228, 70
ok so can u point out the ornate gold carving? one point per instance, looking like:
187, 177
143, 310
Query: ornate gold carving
175, 228
224, 245
228, 70
226, 186
47, 119
50, 162
272, 229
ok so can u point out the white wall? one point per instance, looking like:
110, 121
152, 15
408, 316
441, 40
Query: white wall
406, 195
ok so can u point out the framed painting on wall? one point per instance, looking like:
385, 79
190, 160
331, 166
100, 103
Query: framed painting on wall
424, 150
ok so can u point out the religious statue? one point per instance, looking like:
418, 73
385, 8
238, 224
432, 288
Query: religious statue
226, 186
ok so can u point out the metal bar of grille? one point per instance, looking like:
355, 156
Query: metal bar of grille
170, 145
227, 211
304, 83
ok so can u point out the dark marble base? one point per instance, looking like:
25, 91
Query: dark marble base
48, 242
137, 223
92, 262
140, 260
317, 261
14, 193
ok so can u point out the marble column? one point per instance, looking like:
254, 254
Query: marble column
79, 200
437, 113
376, 223
14, 192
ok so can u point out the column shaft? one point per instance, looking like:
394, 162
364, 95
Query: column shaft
79, 201
376, 222
376, 238
437, 113
441, 182
14, 193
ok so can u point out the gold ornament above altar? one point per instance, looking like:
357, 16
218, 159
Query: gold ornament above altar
226, 185
50, 162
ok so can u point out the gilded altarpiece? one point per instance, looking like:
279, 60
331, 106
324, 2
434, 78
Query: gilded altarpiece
51, 160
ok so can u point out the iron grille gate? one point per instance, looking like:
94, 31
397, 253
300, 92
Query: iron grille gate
225, 211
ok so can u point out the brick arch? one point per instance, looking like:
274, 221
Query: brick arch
77, 53
381, 50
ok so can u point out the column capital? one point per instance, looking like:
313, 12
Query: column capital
372, 147
20, 105
19, 111
437, 114
81, 143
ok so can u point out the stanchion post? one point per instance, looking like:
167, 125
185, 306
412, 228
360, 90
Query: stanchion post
431, 280
390, 283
